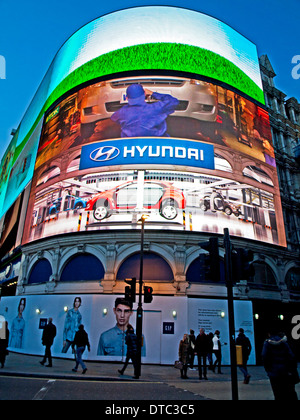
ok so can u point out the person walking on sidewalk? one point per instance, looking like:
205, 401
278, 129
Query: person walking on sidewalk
244, 342
281, 367
184, 355
202, 348
217, 351
81, 341
192, 341
48, 336
132, 349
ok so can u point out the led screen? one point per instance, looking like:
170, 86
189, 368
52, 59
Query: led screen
184, 41
193, 155
21, 171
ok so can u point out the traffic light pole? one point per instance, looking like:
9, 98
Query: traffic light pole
139, 315
229, 284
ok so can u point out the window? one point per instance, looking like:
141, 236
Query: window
40, 272
84, 267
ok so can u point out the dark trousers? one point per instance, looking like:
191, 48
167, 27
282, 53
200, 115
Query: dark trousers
283, 390
218, 355
3, 354
202, 357
183, 371
133, 357
48, 354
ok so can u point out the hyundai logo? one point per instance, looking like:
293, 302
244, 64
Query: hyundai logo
104, 153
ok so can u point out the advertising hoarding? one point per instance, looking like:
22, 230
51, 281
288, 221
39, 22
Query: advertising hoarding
209, 157
107, 339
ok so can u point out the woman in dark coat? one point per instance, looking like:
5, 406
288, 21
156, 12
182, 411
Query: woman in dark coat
281, 367
184, 355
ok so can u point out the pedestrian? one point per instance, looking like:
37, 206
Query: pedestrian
139, 118
202, 349
184, 355
244, 342
81, 341
281, 367
132, 350
4, 340
217, 351
210, 337
192, 340
48, 336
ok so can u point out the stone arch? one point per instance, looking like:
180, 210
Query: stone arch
155, 267
40, 271
82, 266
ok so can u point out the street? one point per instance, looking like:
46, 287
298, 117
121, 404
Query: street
23, 378
19, 388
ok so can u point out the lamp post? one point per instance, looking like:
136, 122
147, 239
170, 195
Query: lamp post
229, 284
139, 318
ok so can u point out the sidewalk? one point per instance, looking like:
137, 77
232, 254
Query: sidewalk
217, 387
24, 365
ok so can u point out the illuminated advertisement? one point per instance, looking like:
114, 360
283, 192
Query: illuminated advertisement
106, 326
185, 41
22, 170
176, 148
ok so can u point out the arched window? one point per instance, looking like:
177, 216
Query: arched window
292, 280
40, 272
154, 268
196, 274
82, 267
264, 276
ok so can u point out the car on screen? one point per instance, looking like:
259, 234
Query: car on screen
219, 204
156, 195
70, 202
196, 99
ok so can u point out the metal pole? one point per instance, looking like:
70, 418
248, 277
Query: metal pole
229, 284
139, 318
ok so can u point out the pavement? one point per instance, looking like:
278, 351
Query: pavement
217, 387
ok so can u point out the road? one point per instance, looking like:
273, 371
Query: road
20, 388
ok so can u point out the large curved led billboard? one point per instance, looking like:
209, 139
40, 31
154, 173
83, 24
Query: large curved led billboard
184, 41
192, 154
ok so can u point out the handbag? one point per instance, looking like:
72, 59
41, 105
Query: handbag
178, 364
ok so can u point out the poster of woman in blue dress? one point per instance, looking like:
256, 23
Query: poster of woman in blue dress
71, 326
18, 327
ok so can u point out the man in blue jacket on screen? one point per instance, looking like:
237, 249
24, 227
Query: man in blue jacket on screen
139, 118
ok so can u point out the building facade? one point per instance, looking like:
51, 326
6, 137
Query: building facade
73, 230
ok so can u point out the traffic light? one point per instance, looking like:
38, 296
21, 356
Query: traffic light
242, 269
148, 294
130, 291
210, 263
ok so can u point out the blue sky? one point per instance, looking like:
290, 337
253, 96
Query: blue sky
32, 32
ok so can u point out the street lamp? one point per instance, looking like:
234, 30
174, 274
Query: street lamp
139, 318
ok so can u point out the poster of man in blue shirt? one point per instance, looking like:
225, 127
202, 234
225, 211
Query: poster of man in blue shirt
112, 341
140, 118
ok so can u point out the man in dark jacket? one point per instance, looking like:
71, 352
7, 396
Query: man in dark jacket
281, 367
244, 342
81, 340
48, 336
202, 349
131, 342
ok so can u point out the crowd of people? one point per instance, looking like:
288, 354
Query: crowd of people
279, 361
204, 346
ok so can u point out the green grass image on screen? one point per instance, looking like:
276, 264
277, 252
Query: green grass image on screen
162, 56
